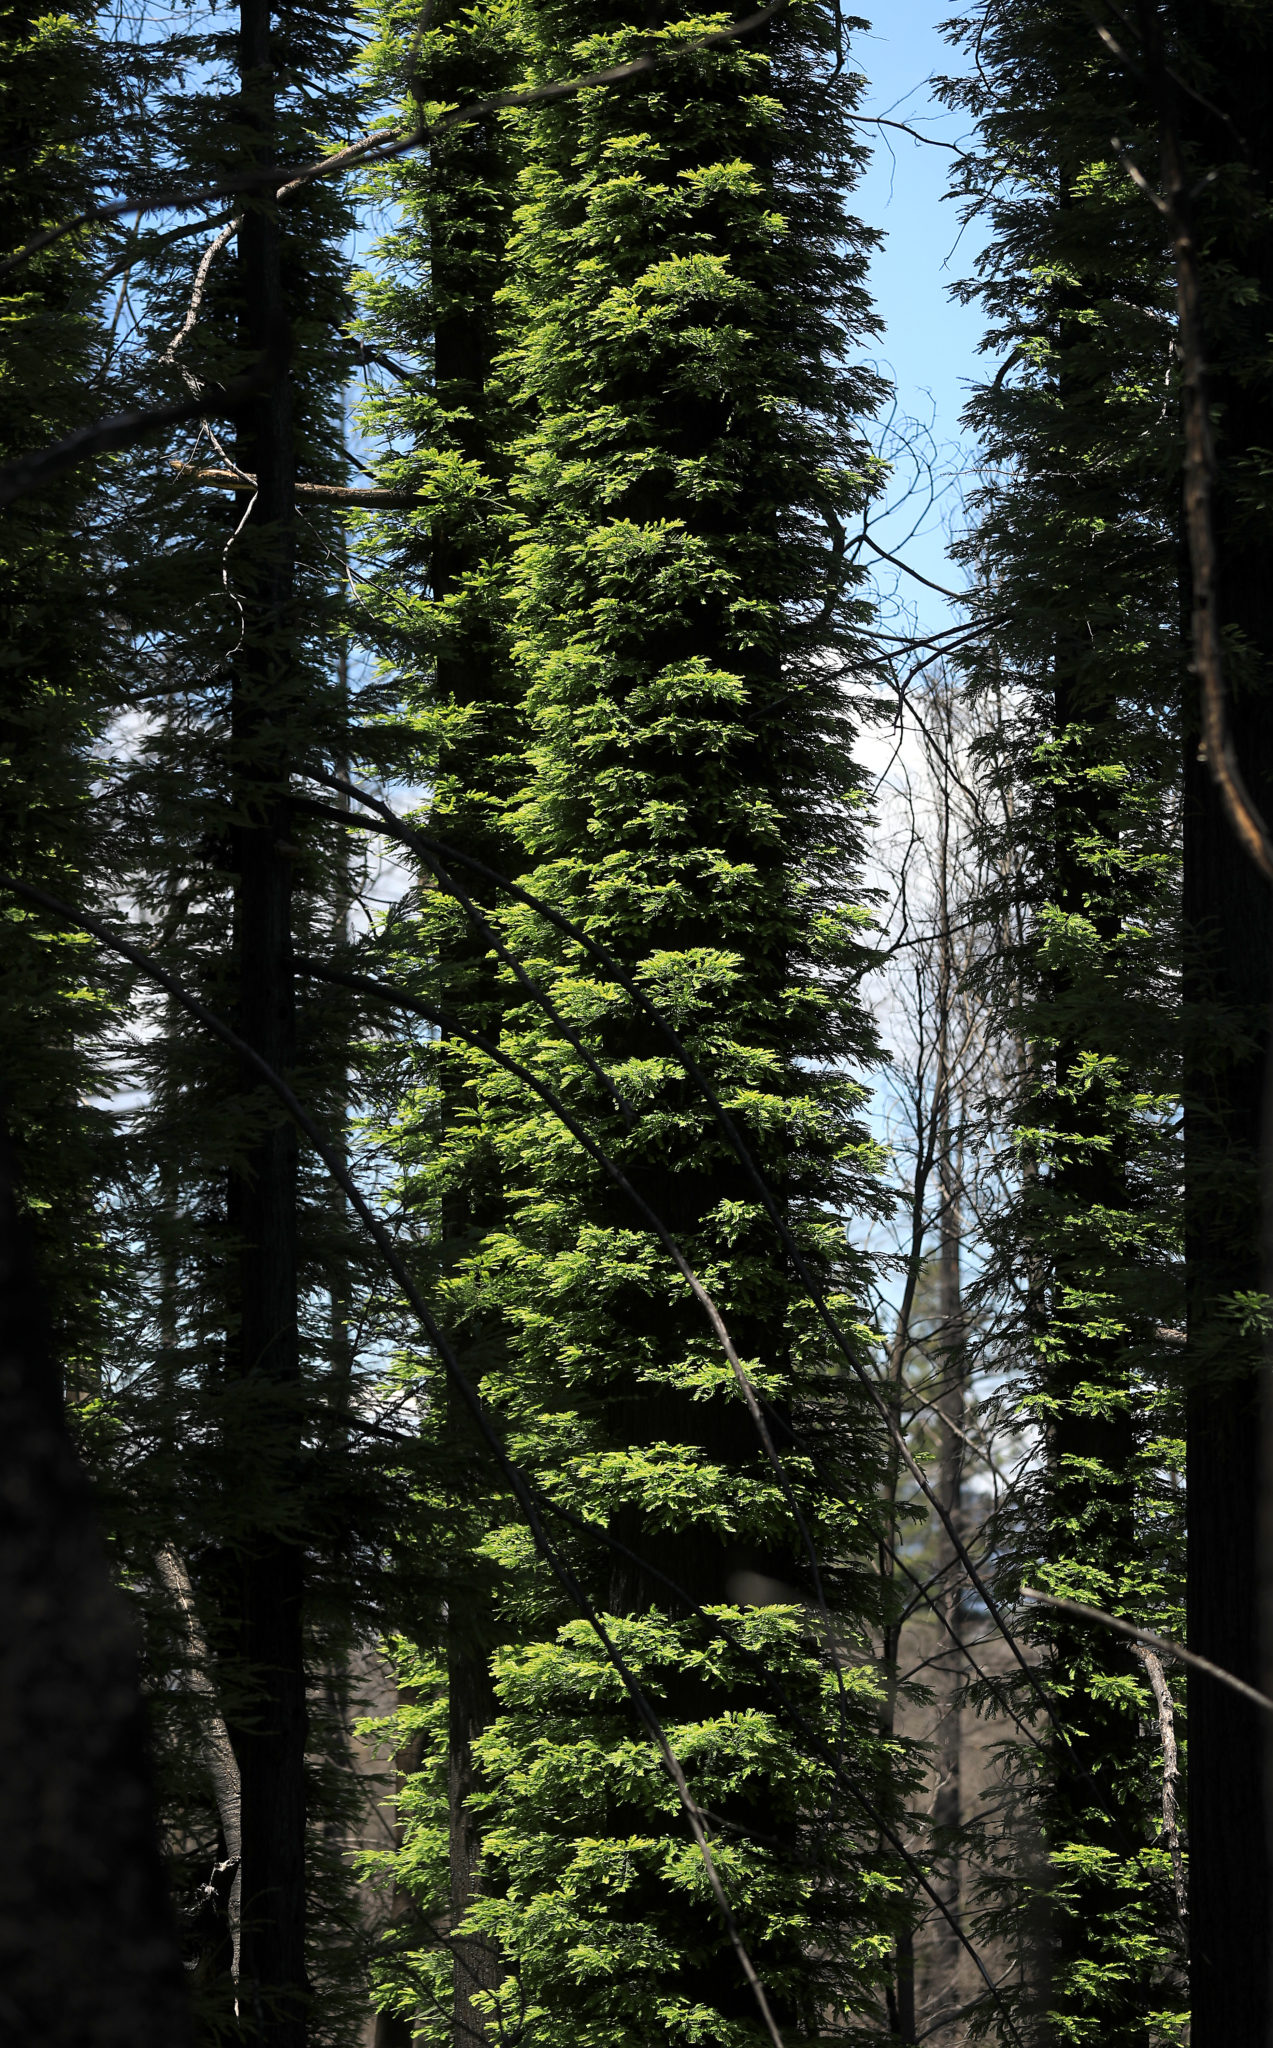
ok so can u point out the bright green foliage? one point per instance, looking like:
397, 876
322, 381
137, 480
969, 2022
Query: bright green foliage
683, 283
1075, 548
611, 1934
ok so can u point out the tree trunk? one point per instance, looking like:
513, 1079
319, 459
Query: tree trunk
1228, 921
952, 1404
88, 1958
269, 1731
466, 221
948, 1804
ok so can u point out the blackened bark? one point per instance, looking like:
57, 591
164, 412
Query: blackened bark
269, 1732
1228, 986
1229, 930
88, 1958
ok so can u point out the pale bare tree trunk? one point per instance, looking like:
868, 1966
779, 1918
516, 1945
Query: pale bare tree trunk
952, 1419
218, 1752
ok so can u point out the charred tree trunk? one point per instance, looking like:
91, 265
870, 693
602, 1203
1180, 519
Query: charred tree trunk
1229, 926
1228, 919
88, 1958
269, 1731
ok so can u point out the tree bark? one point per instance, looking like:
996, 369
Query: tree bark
466, 223
1228, 920
88, 1957
269, 1732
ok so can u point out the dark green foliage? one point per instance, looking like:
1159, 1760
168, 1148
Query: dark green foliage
249, 1475
1074, 548
594, 1897
617, 650
54, 999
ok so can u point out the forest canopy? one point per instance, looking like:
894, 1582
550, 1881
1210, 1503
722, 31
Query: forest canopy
634, 1218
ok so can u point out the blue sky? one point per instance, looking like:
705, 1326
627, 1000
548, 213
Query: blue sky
930, 343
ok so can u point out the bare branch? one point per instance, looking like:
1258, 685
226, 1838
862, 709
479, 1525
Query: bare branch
188, 325
334, 494
1170, 1775
1162, 1644
960, 596
933, 141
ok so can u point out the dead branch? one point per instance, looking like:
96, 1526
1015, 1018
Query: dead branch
1162, 1644
223, 1768
1170, 1775
334, 494
188, 325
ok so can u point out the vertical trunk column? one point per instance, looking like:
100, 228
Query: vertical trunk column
1228, 987
270, 1730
